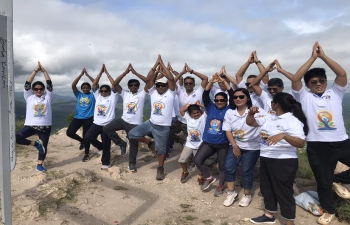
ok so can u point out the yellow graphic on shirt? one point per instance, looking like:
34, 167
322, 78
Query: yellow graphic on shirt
158, 108
264, 136
215, 126
130, 108
101, 110
239, 135
39, 110
195, 135
325, 120
84, 101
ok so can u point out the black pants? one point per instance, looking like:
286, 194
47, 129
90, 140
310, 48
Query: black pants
119, 124
276, 185
105, 145
323, 158
74, 127
206, 150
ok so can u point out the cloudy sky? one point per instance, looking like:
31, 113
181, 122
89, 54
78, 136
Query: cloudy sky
67, 35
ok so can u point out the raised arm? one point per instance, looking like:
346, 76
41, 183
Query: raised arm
86, 73
116, 85
167, 74
340, 73
179, 75
250, 120
240, 73
231, 79
98, 77
143, 78
261, 68
75, 82
32, 75
184, 109
110, 78
201, 76
256, 82
205, 97
47, 78
282, 71
151, 77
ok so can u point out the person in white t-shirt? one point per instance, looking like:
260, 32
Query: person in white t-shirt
38, 115
327, 141
195, 121
256, 101
133, 103
280, 135
162, 93
106, 100
244, 147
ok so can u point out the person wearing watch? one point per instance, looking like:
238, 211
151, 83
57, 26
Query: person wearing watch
280, 136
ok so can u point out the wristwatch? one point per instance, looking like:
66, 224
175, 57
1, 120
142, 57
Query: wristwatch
284, 135
257, 62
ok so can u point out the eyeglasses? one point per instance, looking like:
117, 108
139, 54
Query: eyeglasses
239, 96
38, 89
188, 83
272, 89
134, 85
321, 81
220, 100
104, 91
247, 84
160, 85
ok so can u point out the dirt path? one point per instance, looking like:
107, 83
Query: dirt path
73, 192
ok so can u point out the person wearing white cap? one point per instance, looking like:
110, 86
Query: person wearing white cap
162, 93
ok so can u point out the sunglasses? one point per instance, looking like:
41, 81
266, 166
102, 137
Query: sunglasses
160, 85
247, 84
321, 81
38, 89
134, 85
239, 96
188, 83
104, 91
272, 89
220, 100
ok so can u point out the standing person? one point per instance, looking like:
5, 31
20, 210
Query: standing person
195, 121
38, 115
162, 93
244, 147
84, 113
133, 103
327, 141
214, 138
281, 135
106, 100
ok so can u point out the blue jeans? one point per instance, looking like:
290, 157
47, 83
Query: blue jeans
159, 133
27, 131
248, 159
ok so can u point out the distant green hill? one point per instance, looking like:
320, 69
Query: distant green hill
62, 106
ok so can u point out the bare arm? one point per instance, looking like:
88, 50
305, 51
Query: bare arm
167, 74
86, 73
256, 82
261, 68
184, 109
250, 120
116, 85
231, 79
201, 76
282, 71
151, 77
47, 78
97, 79
110, 78
143, 78
32, 75
75, 82
240, 73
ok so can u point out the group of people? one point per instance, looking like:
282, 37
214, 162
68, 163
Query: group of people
241, 122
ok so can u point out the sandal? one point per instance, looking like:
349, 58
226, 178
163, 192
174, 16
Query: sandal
341, 191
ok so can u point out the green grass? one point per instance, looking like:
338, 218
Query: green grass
208, 222
189, 217
342, 207
120, 188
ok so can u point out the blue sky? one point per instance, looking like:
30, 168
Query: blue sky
69, 35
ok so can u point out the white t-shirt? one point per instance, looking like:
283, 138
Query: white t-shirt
214, 90
176, 106
38, 110
256, 101
185, 98
195, 129
247, 137
272, 125
104, 107
162, 107
324, 114
266, 99
133, 106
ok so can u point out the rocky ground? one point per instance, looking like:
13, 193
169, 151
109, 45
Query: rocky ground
76, 192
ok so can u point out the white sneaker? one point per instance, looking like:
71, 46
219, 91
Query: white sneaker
326, 218
230, 199
105, 167
245, 201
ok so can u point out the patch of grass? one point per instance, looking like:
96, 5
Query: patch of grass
147, 158
224, 223
143, 150
207, 222
53, 175
185, 206
189, 217
304, 169
120, 188
342, 207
